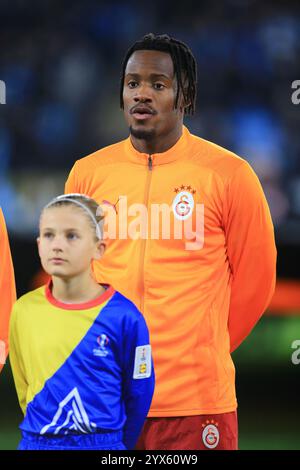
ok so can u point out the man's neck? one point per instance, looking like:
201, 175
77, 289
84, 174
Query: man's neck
157, 144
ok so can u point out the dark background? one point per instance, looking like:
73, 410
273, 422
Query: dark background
61, 63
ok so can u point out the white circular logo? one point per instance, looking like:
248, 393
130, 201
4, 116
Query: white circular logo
183, 205
210, 436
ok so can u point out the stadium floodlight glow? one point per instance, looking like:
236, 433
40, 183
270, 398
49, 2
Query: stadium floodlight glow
2, 92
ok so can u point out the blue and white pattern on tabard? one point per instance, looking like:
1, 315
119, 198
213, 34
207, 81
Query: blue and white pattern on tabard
94, 392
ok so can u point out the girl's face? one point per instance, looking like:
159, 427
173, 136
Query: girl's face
67, 243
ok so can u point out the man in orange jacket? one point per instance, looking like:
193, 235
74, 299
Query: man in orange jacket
7, 290
192, 241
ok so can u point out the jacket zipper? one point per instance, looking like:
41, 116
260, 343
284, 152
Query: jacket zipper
144, 241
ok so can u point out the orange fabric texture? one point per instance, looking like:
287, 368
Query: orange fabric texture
200, 302
7, 288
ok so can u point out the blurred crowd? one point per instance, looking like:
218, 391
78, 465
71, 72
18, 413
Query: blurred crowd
61, 64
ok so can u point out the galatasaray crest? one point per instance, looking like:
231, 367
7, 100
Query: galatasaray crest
210, 434
183, 203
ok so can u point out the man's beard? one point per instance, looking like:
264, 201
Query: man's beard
142, 134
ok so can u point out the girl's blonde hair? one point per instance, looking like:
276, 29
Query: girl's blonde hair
87, 204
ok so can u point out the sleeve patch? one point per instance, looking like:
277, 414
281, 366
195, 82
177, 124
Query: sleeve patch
142, 362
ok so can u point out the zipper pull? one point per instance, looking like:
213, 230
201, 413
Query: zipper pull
150, 162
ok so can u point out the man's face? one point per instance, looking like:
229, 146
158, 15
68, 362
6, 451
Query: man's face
149, 95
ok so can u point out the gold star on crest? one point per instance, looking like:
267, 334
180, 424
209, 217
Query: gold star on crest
188, 188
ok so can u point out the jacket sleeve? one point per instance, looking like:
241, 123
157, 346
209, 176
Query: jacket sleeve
138, 380
251, 252
16, 361
7, 289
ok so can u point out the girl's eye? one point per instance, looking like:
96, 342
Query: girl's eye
48, 234
72, 236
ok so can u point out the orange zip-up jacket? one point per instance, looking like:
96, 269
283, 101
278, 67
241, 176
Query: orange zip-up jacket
7, 289
201, 294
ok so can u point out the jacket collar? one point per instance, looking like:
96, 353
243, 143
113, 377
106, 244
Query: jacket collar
172, 154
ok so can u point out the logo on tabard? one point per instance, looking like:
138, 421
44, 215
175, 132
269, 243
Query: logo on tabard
210, 434
103, 342
183, 203
71, 416
142, 362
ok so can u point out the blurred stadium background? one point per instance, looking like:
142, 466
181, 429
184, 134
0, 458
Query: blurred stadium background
61, 64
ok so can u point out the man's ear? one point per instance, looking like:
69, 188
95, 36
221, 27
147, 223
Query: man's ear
187, 103
183, 103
